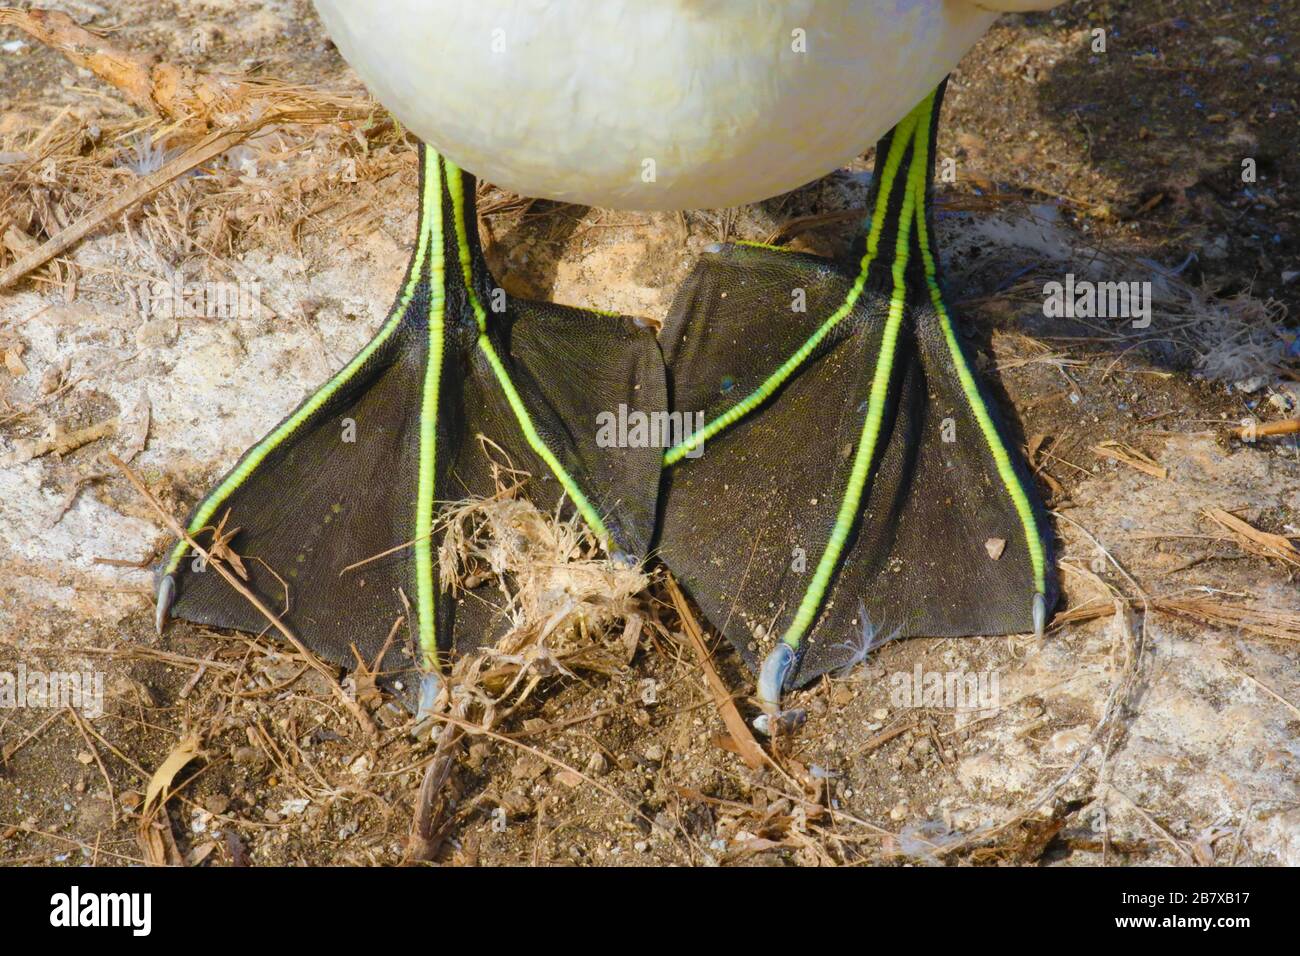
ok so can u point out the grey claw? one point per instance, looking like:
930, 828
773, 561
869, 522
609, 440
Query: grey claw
772, 675
771, 681
1040, 615
163, 602
430, 688
714, 247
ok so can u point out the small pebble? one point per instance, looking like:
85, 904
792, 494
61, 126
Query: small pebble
569, 778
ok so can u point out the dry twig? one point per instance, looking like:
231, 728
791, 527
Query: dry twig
746, 746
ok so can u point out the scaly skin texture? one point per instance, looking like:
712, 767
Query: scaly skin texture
569, 99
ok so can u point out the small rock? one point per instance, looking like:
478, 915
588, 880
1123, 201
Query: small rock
528, 767
1069, 741
13, 362
516, 804
216, 803
53, 376
1217, 250
389, 716
570, 778
247, 757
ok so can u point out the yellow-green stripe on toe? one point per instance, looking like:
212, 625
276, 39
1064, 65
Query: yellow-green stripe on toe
526, 426
1001, 457
426, 588
790, 366
916, 128
258, 453
851, 503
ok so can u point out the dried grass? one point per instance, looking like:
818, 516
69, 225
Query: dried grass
327, 148
567, 606
1259, 621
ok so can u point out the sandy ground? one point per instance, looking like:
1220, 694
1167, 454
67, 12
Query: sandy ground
1156, 722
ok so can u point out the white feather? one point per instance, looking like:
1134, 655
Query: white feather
569, 99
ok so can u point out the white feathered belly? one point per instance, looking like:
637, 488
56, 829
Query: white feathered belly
652, 104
